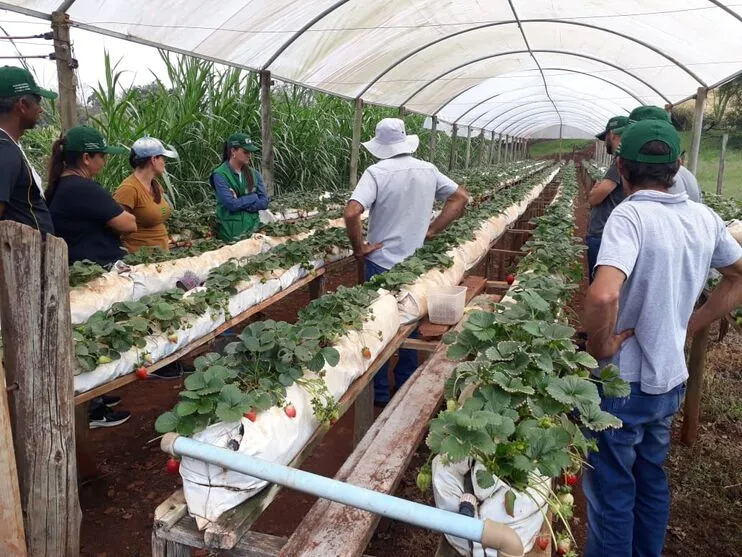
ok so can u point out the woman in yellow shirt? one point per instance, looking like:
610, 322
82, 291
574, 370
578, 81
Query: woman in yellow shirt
142, 195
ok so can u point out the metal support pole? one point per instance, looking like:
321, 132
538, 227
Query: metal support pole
66, 81
695, 145
467, 159
722, 158
266, 127
452, 158
355, 146
433, 139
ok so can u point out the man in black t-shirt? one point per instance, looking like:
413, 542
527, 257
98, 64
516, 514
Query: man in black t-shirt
606, 194
21, 194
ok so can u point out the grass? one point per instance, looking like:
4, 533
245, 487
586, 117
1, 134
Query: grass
708, 164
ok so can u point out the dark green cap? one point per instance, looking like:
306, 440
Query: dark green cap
637, 135
242, 140
15, 82
84, 139
615, 123
649, 113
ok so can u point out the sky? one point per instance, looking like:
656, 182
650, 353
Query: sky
135, 60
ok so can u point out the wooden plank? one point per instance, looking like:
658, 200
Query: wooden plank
37, 346
252, 544
420, 345
170, 511
12, 535
355, 143
232, 525
342, 530
508, 252
519, 231
474, 286
178, 354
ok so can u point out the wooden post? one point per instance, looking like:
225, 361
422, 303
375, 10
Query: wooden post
452, 158
722, 158
696, 365
37, 341
499, 149
66, 81
433, 139
482, 147
467, 160
355, 146
507, 148
266, 126
491, 154
695, 144
12, 537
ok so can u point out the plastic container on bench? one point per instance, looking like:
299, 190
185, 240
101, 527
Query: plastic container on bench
446, 305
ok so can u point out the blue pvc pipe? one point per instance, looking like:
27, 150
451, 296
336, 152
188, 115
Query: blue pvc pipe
379, 503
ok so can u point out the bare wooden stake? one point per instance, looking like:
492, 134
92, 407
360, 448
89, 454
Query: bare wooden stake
722, 160
695, 144
492, 148
266, 126
452, 158
467, 160
66, 81
696, 365
433, 139
37, 344
355, 147
482, 147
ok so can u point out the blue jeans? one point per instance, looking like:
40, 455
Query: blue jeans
593, 247
407, 363
628, 499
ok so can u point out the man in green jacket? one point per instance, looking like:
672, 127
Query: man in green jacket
240, 190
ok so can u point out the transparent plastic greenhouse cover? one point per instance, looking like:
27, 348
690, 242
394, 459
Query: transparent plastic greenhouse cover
514, 67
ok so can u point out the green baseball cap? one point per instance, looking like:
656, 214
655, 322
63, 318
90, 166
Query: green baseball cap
615, 123
15, 82
84, 139
242, 140
649, 113
638, 134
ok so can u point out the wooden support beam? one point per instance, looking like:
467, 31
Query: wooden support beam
433, 139
482, 147
696, 366
38, 352
355, 146
467, 159
695, 144
508, 252
722, 159
66, 65
12, 536
452, 157
266, 127
420, 345
499, 149
492, 149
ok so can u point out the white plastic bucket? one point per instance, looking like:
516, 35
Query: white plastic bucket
446, 305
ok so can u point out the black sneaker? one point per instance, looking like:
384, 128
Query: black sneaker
108, 418
170, 371
110, 400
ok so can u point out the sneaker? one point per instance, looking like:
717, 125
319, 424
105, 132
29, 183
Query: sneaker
108, 418
170, 371
110, 400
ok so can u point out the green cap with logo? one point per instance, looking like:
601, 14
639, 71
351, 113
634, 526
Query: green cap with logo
84, 139
242, 140
615, 123
638, 134
649, 112
16, 82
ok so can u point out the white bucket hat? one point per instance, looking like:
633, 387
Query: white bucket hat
391, 140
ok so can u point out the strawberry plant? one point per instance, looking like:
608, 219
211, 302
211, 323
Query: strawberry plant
84, 271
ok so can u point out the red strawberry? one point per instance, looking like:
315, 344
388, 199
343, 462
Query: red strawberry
570, 479
172, 466
542, 542
252, 415
290, 411
366, 352
563, 546
142, 373
510, 279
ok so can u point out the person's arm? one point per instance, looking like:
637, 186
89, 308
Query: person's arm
123, 223
452, 209
10, 164
262, 194
363, 197
601, 313
354, 230
228, 198
600, 191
